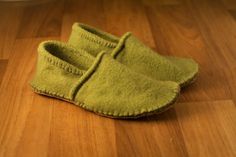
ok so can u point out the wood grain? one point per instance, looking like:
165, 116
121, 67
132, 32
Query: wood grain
3, 66
188, 41
208, 127
43, 20
118, 23
82, 11
10, 20
202, 122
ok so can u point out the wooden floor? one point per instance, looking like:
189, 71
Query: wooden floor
203, 121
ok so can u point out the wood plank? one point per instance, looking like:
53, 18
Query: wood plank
130, 16
156, 136
215, 18
34, 137
23, 123
72, 126
42, 20
212, 18
162, 2
84, 12
10, 19
229, 4
231, 78
3, 66
208, 128
177, 33
233, 13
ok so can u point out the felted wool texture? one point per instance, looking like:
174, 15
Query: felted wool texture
131, 52
99, 84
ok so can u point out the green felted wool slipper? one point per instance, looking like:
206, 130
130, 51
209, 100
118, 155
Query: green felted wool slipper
99, 84
129, 51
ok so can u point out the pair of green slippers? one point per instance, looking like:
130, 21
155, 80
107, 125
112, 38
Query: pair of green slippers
110, 76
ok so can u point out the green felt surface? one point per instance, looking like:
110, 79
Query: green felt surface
131, 52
